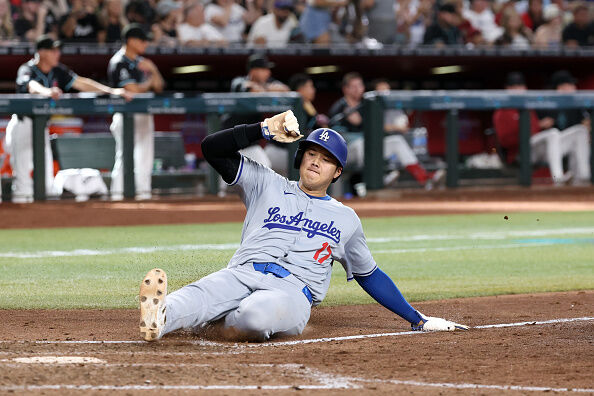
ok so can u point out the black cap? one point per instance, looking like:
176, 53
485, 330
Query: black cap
562, 77
47, 42
514, 78
447, 7
259, 61
134, 30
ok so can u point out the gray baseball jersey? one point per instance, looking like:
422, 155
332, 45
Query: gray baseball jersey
304, 234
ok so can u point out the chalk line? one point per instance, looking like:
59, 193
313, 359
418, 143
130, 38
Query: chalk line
307, 341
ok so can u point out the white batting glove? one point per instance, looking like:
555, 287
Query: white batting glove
430, 323
282, 127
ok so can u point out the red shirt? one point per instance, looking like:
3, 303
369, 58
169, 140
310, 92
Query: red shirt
507, 128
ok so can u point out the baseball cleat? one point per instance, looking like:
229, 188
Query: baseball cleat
153, 290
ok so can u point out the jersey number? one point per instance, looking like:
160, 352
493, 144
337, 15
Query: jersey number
325, 247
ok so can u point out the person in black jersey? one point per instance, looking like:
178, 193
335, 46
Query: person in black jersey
130, 70
43, 75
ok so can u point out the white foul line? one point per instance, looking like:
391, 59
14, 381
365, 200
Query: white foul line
362, 336
102, 252
327, 381
474, 386
308, 341
161, 387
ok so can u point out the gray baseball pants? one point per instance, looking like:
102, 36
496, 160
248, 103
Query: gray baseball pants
254, 304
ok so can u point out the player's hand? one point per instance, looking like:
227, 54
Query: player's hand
282, 127
146, 65
55, 93
123, 93
430, 323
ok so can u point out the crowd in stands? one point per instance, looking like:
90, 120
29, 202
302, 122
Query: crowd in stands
274, 23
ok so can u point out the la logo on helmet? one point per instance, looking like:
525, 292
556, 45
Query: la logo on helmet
324, 136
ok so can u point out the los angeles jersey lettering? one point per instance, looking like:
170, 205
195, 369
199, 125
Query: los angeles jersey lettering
302, 233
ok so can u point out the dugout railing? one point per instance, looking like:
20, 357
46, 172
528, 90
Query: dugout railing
454, 101
213, 105
216, 104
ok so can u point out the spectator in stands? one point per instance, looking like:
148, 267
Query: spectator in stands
274, 30
140, 12
444, 31
481, 17
6, 26
547, 143
534, 17
195, 32
168, 18
315, 23
548, 35
381, 15
254, 9
228, 17
413, 19
81, 24
515, 33
470, 34
57, 8
30, 21
580, 32
349, 20
113, 19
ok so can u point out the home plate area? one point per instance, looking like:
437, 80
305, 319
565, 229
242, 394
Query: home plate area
523, 344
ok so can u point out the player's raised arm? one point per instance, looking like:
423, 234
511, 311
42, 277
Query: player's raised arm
383, 290
221, 148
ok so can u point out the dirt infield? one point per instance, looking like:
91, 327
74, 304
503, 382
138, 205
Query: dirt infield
519, 359
545, 343
210, 210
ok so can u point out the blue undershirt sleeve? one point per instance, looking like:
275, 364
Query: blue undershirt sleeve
379, 286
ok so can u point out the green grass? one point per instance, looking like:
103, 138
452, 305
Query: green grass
451, 256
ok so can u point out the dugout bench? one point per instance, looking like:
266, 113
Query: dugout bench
97, 151
374, 104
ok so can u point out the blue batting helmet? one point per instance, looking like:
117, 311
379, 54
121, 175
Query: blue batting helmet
328, 139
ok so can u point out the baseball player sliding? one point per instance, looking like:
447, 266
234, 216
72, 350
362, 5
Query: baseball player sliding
292, 233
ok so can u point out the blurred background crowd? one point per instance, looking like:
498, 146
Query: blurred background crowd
518, 24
